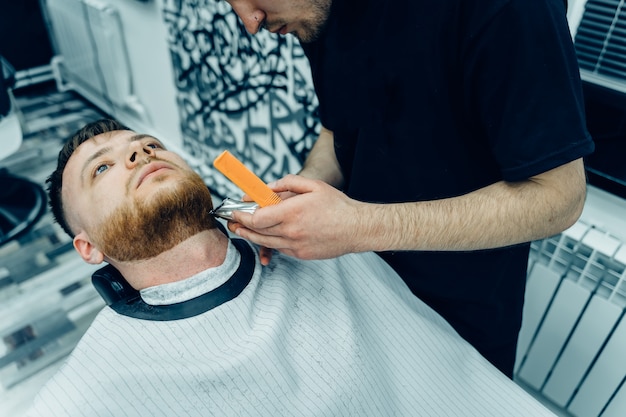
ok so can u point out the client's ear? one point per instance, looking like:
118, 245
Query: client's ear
87, 250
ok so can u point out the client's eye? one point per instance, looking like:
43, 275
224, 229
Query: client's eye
154, 145
100, 169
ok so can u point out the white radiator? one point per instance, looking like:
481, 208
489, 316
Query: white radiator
93, 58
572, 347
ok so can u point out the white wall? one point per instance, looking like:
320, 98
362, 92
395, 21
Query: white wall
151, 67
574, 14
115, 53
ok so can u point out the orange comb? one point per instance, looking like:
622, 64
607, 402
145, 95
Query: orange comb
245, 179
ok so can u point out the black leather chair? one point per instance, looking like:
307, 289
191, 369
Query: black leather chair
22, 202
5, 81
112, 286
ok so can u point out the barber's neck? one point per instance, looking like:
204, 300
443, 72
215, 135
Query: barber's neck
199, 252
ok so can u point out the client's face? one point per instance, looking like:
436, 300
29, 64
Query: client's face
133, 198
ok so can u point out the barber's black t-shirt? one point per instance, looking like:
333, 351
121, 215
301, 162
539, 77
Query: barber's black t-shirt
430, 99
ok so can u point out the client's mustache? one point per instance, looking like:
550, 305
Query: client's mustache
145, 161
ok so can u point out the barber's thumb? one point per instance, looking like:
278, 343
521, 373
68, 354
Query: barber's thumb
292, 183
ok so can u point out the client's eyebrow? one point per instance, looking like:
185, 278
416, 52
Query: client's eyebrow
107, 149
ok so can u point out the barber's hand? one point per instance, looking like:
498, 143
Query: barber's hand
318, 222
265, 253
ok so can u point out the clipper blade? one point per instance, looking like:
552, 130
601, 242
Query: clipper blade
225, 210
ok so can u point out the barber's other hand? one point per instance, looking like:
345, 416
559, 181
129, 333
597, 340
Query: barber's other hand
318, 222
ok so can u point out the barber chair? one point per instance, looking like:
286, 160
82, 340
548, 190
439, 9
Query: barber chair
22, 202
112, 286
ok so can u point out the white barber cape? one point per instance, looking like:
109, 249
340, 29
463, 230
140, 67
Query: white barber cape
339, 337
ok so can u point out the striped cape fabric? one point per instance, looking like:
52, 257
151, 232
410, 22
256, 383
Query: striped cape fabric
339, 337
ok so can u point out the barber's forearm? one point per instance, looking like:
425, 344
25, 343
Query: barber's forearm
321, 164
501, 214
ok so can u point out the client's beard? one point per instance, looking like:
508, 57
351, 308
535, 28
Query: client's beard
144, 229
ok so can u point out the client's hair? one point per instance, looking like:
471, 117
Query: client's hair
55, 180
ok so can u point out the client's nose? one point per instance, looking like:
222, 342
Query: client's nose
137, 151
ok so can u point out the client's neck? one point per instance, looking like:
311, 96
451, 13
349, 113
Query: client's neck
199, 252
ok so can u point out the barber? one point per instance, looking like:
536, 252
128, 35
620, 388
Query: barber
453, 135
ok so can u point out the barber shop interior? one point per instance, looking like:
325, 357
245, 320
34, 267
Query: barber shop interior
190, 74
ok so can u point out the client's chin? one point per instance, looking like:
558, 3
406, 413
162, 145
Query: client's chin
145, 228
